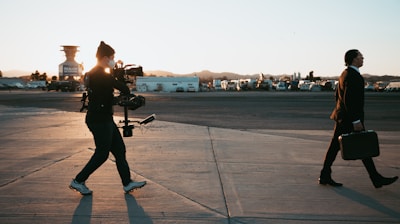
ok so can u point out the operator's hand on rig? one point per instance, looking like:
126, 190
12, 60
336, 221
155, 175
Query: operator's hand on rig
131, 101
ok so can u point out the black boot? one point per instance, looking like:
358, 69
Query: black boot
381, 181
377, 180
326, 179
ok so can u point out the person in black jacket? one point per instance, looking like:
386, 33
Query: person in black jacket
349, 116
99, 119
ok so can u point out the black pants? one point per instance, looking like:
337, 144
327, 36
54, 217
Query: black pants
334, 147
107, 139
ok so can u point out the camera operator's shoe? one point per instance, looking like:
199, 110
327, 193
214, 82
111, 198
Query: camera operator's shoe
80, 187
134, 185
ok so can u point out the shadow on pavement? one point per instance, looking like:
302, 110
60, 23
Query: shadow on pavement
366, 201
83, 212
136, 213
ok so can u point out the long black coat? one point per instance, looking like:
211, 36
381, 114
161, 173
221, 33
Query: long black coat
349, 97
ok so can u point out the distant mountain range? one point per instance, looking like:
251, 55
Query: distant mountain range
202, 74
385, 78
205, 74
15, 73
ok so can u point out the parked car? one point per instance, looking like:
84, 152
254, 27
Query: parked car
369, 87
304, 87
179, 89
64, 86
380, 86
191, 89
281, 86
314, 87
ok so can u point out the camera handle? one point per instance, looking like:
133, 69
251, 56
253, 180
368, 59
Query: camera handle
127, 129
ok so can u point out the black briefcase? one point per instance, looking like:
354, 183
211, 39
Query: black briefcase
359, 145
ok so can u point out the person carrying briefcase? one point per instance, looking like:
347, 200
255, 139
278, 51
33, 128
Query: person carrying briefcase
349, 117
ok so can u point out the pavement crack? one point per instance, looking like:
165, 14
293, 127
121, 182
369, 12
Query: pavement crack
137, 173
38, 169
219, 175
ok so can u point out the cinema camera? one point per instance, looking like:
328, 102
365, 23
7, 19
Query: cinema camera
126, 75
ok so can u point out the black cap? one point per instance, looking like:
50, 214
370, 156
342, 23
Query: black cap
104, 50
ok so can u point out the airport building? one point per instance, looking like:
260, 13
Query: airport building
167, 84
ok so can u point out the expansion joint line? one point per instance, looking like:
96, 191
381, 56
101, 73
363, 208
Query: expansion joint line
38, 169
219, 175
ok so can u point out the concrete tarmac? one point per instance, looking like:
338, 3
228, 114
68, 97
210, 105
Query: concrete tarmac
194, 174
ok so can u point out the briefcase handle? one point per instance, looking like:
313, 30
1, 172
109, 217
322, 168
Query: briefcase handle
359, 132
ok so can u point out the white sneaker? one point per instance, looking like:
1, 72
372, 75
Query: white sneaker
133, 185
80, 187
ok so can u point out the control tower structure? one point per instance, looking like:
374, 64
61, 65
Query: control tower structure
70, 69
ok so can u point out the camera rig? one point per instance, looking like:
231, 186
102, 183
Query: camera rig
126, 74
131, 102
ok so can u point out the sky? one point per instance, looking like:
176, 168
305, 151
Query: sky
187, 36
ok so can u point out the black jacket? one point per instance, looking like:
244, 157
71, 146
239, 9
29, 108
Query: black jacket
101, 94
349, 97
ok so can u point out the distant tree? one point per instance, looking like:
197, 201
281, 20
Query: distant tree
35, 76
1, 74
206, 79
310, 76
54, 78
43, 77
201, 80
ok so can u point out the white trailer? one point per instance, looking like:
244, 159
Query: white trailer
217, 84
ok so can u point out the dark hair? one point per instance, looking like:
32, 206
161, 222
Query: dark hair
104, 50
349, 56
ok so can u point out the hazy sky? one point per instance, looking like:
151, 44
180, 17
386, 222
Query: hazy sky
186, 36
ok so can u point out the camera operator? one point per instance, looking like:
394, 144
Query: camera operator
99, 119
